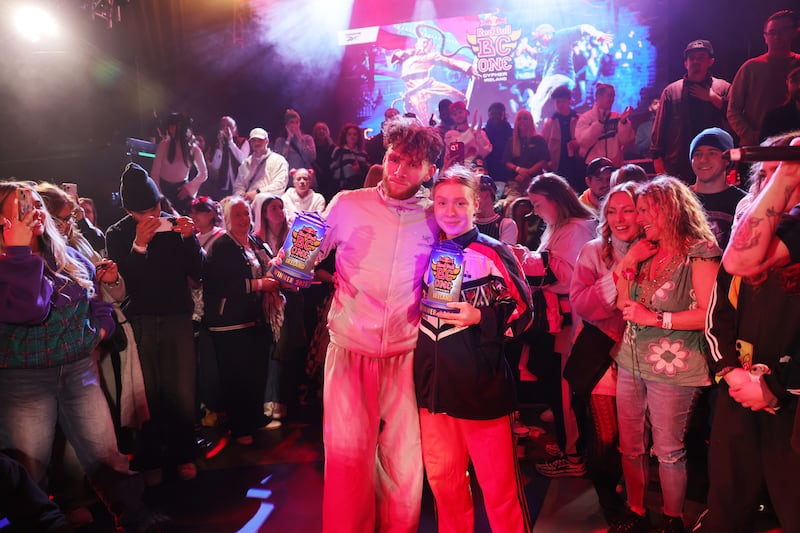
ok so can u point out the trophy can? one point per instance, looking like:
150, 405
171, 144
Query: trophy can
444, 278
301, 249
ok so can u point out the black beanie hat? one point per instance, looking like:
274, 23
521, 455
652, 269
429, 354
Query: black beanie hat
137, 191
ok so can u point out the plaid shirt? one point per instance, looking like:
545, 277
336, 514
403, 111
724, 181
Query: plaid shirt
71, 328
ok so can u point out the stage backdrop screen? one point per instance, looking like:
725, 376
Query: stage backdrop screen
517, 58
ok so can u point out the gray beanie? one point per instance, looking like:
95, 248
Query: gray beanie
137, 191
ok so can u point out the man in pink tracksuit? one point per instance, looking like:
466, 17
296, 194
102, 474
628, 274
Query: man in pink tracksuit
383, 236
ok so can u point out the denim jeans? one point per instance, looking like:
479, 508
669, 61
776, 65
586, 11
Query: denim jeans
33, 401
663, 410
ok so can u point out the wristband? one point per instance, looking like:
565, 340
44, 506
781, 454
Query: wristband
667, 321
138, 249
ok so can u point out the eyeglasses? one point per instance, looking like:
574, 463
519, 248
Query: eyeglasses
65, 221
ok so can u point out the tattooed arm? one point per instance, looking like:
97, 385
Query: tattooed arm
753, 247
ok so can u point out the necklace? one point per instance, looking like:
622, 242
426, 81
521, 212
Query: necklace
649, 285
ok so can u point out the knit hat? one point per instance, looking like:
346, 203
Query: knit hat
716, 137
137, 191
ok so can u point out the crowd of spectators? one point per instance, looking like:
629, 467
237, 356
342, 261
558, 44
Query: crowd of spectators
173, 317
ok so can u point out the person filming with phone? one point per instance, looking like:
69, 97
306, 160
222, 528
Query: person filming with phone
601, 132
157, 255
475, 142
51, 318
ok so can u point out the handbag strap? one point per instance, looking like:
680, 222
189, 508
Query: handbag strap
256, 172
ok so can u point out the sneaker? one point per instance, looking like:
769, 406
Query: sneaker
670, 524
632, 523
187, 471
553, 450
561, 467
269, 408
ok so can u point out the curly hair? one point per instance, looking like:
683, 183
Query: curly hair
603, 229
343, 136
686, 221
420, 142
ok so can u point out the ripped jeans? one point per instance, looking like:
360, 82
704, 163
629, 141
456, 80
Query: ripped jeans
644, 408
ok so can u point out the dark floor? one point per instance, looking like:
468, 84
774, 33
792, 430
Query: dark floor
275, 485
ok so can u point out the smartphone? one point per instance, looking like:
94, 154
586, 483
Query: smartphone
165, 224
457, 152
24, 202
71, 189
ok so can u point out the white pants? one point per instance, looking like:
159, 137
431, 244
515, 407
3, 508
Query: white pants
373, 457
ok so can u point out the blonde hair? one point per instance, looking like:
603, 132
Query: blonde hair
227, 204
628, 188
680, 208
52, 246
516, 139
55, 199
